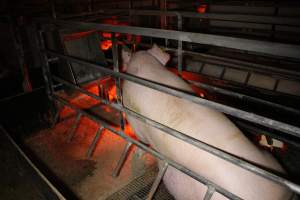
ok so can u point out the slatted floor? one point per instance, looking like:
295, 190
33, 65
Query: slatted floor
139, 188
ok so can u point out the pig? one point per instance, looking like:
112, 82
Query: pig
199, 122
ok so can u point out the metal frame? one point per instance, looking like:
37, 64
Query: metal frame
276, 49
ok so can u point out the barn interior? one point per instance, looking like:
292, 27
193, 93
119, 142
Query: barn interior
64, 131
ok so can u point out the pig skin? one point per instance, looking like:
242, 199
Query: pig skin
202, 123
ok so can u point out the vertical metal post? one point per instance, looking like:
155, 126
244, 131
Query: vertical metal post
117, 79
56, 116
95, 140
179, 50
157, 181
209, 193
53, 10
74, 127
122, 160
46, 70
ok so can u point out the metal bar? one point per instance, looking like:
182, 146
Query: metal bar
224, 17
117, 79
157, 181
238, 64
222, 154
53, 10
95, 140
74, 127
290, 21
217, 152
259, 131
270, 48
179, 49
152, 151
122, 159
56, 116
264, 121
45, 67
34, 167
245, 97
209, 193
46, 70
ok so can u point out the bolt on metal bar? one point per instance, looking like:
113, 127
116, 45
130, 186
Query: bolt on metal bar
208, 148
74, 127
95, 140
151, 151
157, 180
270, 48
122, 159
209, 193
264, 121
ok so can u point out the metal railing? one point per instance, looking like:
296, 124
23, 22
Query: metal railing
276, 49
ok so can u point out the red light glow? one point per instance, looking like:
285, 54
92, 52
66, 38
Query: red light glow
202, 9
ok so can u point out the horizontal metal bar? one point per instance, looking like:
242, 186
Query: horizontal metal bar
224, 17
252, 129
244, 97
151, 151
236, 64
270, 48
290, 21
264, 121
213, 150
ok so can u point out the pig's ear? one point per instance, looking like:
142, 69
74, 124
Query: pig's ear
126, 55
159, 54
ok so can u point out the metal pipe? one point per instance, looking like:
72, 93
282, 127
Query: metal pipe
210, 149
244, 97
95, 140
122, 159
264, 121
157, 180
270, 48
74, 127
209, 193
237, 64
117, 79
289, 21
153, 152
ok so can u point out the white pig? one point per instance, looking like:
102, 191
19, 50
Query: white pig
199, 122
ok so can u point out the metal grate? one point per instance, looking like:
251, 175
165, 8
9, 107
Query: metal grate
139, 188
